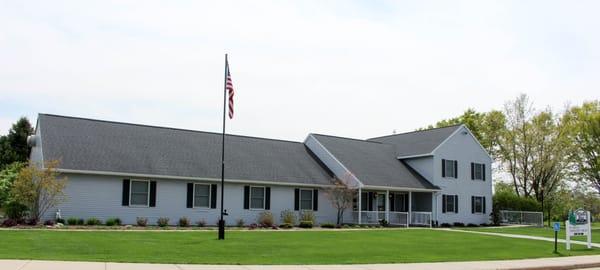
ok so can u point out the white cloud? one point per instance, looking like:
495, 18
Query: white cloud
355, 69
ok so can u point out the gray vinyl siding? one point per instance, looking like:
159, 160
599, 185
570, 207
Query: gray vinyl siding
101, 197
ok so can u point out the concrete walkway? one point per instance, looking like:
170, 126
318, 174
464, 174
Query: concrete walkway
596, 245
576, 262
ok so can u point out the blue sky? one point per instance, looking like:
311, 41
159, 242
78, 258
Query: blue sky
349, 68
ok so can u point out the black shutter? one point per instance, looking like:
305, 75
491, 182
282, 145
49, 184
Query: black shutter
315, 200
152, 194
267, 198
443, 203
472, 204
455, 203
296, 199
443, 168
456, 169
483, 198
483, 171
246, 197
213, 196
189, 202
472, 171
125, 201
391, 198
370, 201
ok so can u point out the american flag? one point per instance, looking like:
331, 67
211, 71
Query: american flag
229, 87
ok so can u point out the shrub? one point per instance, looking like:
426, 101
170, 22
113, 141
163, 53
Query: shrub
252, 226
328, 225
445, 225
49, 222
458, 224
239, 222
113, 222
15, 210
288, 216
162, 221
306, 224
286, 226
201, 223
60, 220
93, 221
9, 223
472, 225
80, 221
184, 222
346, 226
265, 219
307, 215
485, 225
72, 221
141, 221
383, 223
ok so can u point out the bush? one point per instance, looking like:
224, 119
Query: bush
9, 223
472, 225
252, 226
162, 221
265, 219
60, 220
445, 225
141, 221
307, 215
328, 225
201, 223
288, 216
49, 222
93, 222
306, 224
383, 223
239, 222
458, 224
286, 226
80, 221
113, 222
15, 210
72, 221
184, 222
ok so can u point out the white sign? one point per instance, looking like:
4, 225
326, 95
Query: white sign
578, 225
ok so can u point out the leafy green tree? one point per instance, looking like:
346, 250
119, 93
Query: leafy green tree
13, 147
7, 178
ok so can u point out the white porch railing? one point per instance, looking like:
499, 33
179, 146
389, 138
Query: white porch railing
399, 218
373, 217
421, 218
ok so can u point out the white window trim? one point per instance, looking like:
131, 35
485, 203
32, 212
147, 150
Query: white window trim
475, 164
264, 198
131, 193
454, 204
446, 167
194, 196
474, 205
312, 199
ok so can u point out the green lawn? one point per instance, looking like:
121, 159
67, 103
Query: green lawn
543, 232
269, 247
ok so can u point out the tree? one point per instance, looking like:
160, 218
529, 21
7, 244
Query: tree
39, 188
584, 130
7, 178
341, 198
13, 147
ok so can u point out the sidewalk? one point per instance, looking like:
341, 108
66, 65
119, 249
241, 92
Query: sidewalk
522, 236
575, 262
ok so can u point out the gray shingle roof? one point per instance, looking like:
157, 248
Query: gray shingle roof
373, 163
417, 142
95, 145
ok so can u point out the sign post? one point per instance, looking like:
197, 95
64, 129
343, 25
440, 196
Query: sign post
579, 224
556, 229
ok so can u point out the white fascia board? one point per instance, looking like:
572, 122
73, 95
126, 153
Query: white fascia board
188, 178
415, 156
400, 188
331, 156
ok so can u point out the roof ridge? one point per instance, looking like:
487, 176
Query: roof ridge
415, 131
161, 127
346, 138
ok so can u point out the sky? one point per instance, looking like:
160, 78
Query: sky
356, 69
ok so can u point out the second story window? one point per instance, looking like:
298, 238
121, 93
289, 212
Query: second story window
477, 171
449, 168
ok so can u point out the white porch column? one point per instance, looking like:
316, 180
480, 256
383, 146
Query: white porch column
387, 206
359, 206
433, 207
409, 207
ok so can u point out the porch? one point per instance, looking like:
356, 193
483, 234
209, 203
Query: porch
402, 208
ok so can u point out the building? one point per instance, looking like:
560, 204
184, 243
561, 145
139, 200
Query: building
127, 170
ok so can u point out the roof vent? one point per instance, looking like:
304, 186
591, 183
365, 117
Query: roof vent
31, 140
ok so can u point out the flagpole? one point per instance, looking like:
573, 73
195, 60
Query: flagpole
221, 221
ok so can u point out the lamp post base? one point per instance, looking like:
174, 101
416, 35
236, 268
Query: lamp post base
221, 229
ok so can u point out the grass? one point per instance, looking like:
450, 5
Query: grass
271, 247
542, 231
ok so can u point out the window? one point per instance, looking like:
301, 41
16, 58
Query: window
478, 205
257, 197
306, 199
201, 195
139, 193
478, 171
449, 168
400, 202
450, 203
